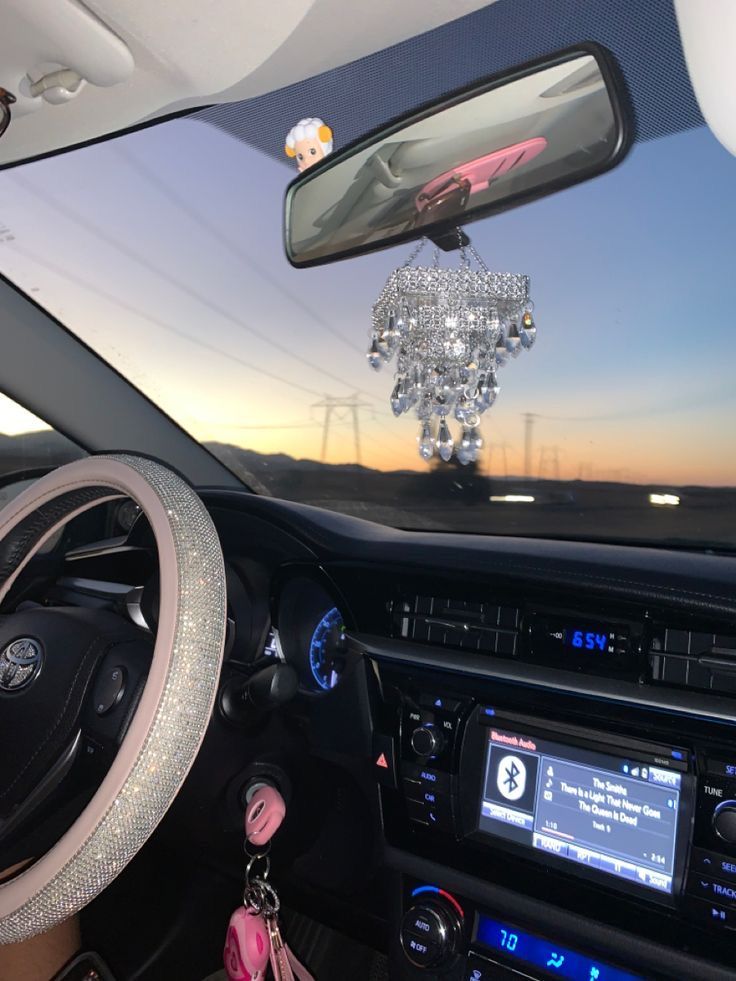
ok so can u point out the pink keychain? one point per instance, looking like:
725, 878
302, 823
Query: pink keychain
247, 947
253, 936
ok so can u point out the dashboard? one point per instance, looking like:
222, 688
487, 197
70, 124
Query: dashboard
502, 757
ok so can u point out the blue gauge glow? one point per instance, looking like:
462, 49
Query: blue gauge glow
327, 649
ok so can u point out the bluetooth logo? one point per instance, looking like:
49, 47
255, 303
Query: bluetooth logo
511, 778
512, 772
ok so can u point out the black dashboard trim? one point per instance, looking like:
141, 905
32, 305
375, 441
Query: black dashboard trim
692, 704
694, 581
641, 952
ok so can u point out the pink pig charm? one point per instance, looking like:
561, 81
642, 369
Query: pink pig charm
247, 946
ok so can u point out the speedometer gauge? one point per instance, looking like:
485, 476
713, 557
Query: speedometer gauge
314, 635
327, 649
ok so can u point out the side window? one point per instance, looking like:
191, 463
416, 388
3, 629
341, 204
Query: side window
28, 448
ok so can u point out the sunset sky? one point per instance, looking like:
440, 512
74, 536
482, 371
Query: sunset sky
163, 251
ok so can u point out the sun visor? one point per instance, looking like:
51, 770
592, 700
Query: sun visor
708, 32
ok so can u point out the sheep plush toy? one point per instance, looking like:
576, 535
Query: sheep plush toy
309, 141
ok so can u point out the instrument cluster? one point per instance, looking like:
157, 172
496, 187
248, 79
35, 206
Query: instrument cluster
309, 633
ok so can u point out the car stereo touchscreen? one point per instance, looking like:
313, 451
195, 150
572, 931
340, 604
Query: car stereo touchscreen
612, 814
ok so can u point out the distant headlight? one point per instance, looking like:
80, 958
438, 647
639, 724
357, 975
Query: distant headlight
513, 499
667, 500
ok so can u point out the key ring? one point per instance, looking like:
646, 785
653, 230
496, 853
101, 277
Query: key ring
261, 853
259, 857
261, 897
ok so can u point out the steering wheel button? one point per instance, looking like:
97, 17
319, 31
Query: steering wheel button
109, 689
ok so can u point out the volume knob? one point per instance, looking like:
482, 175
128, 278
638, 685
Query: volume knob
426, 741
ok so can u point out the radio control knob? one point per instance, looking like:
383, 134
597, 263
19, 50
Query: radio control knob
429, 934
724, 821
426, 741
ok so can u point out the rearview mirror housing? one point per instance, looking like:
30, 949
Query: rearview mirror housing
487, 148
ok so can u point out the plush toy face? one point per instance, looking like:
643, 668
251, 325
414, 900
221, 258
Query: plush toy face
308, 152
308, 142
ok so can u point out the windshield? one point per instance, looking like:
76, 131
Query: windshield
162, 251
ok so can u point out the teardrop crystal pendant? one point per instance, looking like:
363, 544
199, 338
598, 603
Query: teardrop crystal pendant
475, 439
426, 443
464, 454
488, 389
374, 355
527, 330
396, 403
513, 341
445, 442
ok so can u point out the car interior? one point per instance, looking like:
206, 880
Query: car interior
361, 617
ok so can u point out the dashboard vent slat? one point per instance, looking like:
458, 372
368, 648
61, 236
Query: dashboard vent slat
468, 625
695, 659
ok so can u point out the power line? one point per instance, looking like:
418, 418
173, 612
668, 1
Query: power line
124, 305
97, 232
198, 342
182, 204
172, 280
287, 425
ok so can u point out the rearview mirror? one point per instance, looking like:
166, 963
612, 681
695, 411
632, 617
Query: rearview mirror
483, 150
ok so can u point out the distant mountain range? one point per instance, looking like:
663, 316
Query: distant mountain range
450, 497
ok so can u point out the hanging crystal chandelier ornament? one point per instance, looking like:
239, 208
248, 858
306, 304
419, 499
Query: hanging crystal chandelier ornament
449, 331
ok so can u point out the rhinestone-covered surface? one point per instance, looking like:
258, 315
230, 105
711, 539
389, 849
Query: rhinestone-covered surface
179, 724
449, 331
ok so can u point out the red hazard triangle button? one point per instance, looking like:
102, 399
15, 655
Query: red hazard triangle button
384, 759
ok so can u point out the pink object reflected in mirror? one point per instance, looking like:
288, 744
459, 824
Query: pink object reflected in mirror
481, 171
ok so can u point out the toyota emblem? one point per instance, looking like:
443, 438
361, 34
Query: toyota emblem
20, 663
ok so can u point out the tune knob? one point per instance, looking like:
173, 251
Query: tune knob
429, 934
426, 741
724, 821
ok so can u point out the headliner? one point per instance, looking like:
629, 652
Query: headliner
365, 94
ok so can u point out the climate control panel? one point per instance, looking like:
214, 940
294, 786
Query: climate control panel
446, 936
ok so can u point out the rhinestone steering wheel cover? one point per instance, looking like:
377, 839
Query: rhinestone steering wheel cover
169, 725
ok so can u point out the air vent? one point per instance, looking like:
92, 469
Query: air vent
695, 659
485, 628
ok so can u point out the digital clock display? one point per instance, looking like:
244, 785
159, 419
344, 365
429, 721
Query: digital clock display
579, 644
596, 639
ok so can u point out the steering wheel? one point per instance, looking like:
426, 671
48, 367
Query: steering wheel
61, 702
